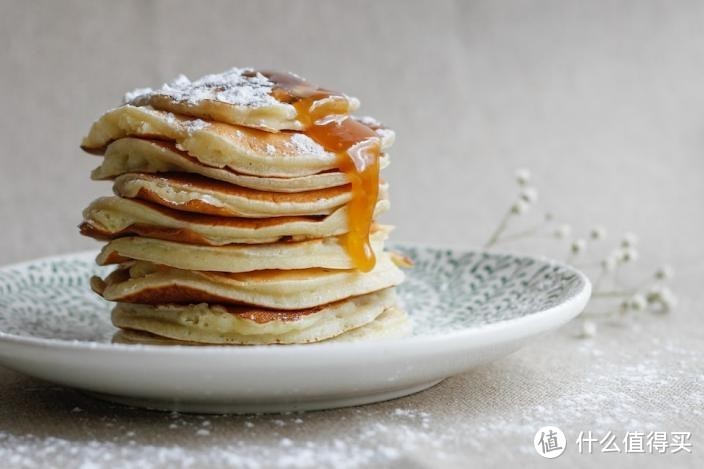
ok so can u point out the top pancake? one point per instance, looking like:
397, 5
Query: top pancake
219, 145
237, 96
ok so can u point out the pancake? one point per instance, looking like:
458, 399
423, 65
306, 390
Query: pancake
213, 324
112, 217
237, 96
323, 252
393, 323
197, 194
244, 213
147, 283
247, 151
141, 155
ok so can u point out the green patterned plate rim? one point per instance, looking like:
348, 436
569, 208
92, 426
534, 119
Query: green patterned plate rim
447, 292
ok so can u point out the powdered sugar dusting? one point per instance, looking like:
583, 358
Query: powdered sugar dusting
195, 125
237, 86
369, 122
306, 145
171, 119
189, 125
135, 93
386, 135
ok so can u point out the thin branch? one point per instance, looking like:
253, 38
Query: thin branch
613, 293
520, 235
499, 230
598, 314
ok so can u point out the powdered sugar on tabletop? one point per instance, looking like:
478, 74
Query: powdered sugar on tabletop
468, 414
259, 444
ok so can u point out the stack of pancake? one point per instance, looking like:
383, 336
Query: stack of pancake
244, 213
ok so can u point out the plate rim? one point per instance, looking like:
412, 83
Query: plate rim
555, 316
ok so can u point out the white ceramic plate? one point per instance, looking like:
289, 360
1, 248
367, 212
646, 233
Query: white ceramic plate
467, 308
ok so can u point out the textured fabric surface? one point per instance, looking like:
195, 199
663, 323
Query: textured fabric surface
644, 377
601, 100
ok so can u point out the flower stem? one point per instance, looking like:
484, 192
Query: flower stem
597, 314
494, 238
520, 235
613, 294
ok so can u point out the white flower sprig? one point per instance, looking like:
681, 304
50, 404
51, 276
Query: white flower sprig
527, 197
651, 295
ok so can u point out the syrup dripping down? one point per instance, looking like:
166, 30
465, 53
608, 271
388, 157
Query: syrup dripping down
325, 117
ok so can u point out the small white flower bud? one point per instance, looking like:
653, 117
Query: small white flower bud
562, 231
662, 299
637, 302
628, 254
629, 240
597, 233
519, 207
578, 246
589, 328
522, 177
653, 295
529, 195
664, 273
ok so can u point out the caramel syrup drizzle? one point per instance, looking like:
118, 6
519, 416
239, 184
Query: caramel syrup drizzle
325, 118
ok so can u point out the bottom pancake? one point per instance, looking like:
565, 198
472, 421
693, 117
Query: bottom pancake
247, 325
393, 323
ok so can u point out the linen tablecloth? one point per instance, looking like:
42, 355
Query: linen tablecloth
601, 100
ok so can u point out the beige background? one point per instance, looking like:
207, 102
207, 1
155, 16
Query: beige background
602, 100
